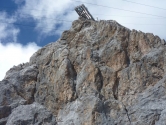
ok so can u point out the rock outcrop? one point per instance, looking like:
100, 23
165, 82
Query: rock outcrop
97, 73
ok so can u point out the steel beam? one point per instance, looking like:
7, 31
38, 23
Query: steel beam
82, 11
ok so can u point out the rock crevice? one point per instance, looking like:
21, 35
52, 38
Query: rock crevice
97, 73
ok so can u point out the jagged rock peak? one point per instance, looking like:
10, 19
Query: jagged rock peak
97, 73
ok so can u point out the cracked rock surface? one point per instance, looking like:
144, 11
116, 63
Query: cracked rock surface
97, 73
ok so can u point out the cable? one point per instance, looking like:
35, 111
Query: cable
144, 4
50, 18
34, 9
19, 13
95, 14
92, 14
129, 16
142, 24
18, 24
118, 8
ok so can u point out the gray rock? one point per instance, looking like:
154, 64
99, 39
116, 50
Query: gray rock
34, 114
23, 78
97, 73
9, 99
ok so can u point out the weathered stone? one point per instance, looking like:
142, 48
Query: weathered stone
23, 78
9, 99
34, 114
97, 73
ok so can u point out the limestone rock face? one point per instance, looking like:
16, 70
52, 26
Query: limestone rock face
97, 73
33, 114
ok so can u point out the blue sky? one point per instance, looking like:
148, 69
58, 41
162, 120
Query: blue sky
27, 25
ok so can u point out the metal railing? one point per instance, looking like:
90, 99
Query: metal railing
83, 12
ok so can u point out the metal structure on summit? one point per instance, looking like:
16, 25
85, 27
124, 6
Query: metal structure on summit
83, 12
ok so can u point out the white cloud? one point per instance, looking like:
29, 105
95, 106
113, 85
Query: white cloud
13, 54
8, 32
45, 13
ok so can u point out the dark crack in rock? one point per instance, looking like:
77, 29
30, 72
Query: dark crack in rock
97, 73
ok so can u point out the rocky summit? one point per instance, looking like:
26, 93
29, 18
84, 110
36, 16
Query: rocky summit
97, 73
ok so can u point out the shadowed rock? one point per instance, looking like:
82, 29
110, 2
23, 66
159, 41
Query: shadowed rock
97, 73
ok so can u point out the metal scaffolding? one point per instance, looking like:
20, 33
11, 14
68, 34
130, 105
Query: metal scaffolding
83, 12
